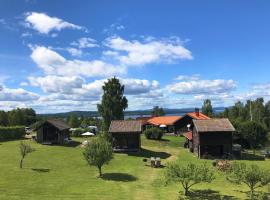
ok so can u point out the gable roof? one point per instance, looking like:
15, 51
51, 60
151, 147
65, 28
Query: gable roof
125, 126
144, 120
199, 115
166, 120
213, 125
58, 123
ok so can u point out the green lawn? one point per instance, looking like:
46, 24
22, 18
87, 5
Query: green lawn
57, 172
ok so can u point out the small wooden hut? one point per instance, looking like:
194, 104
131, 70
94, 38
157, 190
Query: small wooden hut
212, 137
126, 135
52, 131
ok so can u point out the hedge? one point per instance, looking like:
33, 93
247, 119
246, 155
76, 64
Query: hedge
11, 132
153, 133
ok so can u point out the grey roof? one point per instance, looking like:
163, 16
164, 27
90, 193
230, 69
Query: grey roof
58, 123
213, 125
125, 126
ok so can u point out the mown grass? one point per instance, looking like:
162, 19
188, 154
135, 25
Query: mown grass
58, 172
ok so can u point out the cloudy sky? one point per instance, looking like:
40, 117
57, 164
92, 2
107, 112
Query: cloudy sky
56, 55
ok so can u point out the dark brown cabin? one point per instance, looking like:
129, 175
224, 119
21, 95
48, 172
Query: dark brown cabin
53, 131
187, 120
212, 138
126, 135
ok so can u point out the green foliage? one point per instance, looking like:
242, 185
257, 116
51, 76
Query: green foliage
24, 150
253, 176
207, 108
157, 111
73, 121
78, 132
188, 175
98, 153
11, 133
153, 133
253, 132
3, 118
113, 102
19, 116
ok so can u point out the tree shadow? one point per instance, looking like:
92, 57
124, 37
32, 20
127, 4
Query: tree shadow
250, 156
122, 177
40, 170
209, 195
146, 153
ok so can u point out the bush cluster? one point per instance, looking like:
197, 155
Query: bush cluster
153, 133
11, 132
79, 131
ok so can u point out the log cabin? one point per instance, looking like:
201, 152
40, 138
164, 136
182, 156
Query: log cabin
211, 138
53, 131
126, 135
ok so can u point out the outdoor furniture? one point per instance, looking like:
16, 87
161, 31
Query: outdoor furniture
152, 161
158, 162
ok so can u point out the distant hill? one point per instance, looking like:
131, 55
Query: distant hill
128, 114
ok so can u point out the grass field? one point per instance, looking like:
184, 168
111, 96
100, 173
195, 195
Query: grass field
58, 172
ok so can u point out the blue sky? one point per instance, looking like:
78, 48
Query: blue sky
55, 55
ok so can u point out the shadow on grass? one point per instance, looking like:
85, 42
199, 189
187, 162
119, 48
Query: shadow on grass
208, 194
40, 170
72, 143
122, 177
250, 156
146, 153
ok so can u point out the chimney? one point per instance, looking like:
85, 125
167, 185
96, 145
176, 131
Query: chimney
197, 111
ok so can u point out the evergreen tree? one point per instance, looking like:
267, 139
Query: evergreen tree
207, 108
113, 102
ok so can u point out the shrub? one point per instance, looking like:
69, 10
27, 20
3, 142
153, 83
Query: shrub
12, 132
78, 132
153, 133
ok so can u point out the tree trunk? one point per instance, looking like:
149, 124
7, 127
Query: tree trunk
21, 163
100, 172
186, 191
252, 194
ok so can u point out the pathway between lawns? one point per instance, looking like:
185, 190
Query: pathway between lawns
152, 175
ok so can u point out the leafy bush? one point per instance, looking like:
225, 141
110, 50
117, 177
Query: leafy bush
153, 133
78, 132
12, 132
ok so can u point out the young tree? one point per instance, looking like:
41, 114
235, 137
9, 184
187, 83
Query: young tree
207, 108
158, 111
189, 175
24, 150
252, 176
113, 102
98, 153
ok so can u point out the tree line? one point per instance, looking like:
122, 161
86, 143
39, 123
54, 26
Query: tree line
17, 117
251, 120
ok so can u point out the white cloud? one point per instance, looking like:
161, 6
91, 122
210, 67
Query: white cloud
19, 94
199, 86
150, 51
57, 84
54, 64
44, 24
85, 42
74, 51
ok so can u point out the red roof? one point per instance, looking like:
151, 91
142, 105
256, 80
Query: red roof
188, 135
199, 115
166, 120
144, 120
